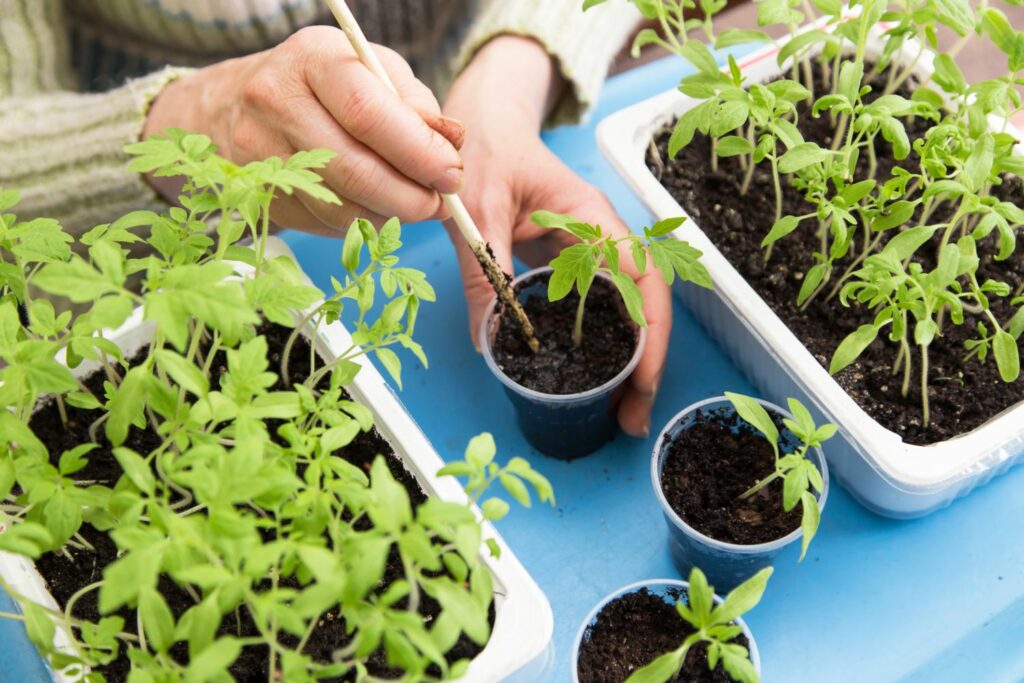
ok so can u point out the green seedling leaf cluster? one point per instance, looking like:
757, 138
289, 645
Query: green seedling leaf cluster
801, 480
576, 267
715, 626
246, 502
906, 242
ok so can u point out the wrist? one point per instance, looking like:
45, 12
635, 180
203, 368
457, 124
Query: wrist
516, 71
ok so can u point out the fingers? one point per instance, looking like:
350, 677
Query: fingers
418, 96
382, 121
360, 176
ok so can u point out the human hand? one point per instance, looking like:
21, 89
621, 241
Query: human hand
502, 97
395, 153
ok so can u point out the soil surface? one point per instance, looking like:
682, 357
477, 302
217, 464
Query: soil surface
962, 395
66, 575
634, 630
710, 465
559, 367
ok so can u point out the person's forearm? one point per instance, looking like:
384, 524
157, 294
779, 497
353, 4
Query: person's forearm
519, 68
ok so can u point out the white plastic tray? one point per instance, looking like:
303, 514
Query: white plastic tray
882, 472
520, 647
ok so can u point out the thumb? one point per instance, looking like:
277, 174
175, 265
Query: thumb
477, 288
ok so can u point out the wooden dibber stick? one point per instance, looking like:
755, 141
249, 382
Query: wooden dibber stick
467, 228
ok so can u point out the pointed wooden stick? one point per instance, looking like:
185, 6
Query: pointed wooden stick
470, 233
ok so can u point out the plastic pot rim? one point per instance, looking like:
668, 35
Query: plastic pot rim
734, 548
755, 657
485, 350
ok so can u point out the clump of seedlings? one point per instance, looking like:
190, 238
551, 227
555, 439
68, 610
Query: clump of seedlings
654, 636
210, 502
800, 477
898, 189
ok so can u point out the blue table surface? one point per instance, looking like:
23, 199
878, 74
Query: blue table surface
936, 599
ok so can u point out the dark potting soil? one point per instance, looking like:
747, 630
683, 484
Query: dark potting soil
67, 575
963, 395
708, 467
559, 367
634, 630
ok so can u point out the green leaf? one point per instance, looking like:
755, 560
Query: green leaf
184, 373
662, 669
800, 157
948, 75
39, 625
393, 510
481, 450
742, 598
516, 488
737, 36
137, 469
752, 412
631, 296
957, 14
978, 166
391, 363
350, 250
157, 620
733, 145
809, 520
127, 404
76, 280
494, 509
783, 227
676, 257
575, 265
1004, 347
852, 346
213, 661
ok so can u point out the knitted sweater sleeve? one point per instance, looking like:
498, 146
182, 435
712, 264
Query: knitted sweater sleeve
62, 150
583, 43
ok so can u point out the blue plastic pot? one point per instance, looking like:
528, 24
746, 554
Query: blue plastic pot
726, 565
659, 587
565, 426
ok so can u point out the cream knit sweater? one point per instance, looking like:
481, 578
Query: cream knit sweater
76, 76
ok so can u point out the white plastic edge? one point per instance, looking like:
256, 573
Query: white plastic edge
624, 137
520, 643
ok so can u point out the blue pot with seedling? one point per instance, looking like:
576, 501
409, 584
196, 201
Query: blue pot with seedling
586, 315
739, 480
660, 630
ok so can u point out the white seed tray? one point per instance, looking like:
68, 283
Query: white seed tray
883, 473
520, 647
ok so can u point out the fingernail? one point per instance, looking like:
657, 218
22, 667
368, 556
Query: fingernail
454, 130
647, 429
450, 182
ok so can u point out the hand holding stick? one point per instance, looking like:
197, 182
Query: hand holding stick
467, 228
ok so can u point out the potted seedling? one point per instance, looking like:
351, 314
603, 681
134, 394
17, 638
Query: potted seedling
659, 631
738, 480
202, 477
858, 201
588, 316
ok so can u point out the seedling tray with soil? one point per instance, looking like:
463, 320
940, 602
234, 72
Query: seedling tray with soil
521, 617
565, 395
885, 458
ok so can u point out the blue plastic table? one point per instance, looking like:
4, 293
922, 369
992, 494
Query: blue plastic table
938, 599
